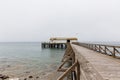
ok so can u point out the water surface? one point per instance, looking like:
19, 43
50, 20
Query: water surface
28, 58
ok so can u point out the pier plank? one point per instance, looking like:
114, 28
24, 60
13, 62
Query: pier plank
96, 66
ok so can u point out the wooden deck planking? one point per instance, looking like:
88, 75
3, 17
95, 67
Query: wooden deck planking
106, 66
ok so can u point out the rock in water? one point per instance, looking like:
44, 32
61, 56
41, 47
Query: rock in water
37, 77
3, 76
30, 76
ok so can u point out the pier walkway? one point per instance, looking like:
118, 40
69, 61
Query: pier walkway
86, 63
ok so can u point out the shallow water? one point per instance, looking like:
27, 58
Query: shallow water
24, 59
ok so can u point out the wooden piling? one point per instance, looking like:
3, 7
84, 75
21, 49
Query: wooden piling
54, 45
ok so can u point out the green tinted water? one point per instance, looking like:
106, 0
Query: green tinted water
23, 58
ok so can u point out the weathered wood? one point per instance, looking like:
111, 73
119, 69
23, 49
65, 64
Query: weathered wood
67, 71
88, 70
117, 50
109, 50
78, 71
66, 55
102, 49
113, 52
62, 70
89, 64
53, 45
65, 61
96, 48
99, 49
105, 50
95, 66
68, 49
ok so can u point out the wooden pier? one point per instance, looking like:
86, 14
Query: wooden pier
84, 61
90, 62
59, 45
54, 45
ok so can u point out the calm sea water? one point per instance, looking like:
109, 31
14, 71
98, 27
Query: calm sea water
23, 58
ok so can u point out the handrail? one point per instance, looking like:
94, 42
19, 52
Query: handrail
106, 49
79, 67
73, 69
97, 44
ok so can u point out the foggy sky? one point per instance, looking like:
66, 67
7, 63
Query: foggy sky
38, 20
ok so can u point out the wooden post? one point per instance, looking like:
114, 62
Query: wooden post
113, 52
62, 46
78, 71
67, 71
65, 61
57, 46
105, 50
44, 45
99, 49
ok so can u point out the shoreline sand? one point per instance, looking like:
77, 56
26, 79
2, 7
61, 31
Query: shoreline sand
34, 74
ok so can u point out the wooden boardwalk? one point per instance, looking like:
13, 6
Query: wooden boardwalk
87, 64
107, 66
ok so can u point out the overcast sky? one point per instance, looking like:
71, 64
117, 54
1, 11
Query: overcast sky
38, 20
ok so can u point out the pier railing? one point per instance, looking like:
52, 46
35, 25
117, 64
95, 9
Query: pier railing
105, 49
78, 67
72, 70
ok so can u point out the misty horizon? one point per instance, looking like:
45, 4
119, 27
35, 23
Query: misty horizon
36, 21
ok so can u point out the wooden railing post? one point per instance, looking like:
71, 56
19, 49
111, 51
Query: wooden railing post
105, 50
113, 52
67, 71
78, 71
99, 49
95, 47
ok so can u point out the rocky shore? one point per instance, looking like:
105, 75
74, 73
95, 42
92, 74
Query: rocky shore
10, 73
49, 76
